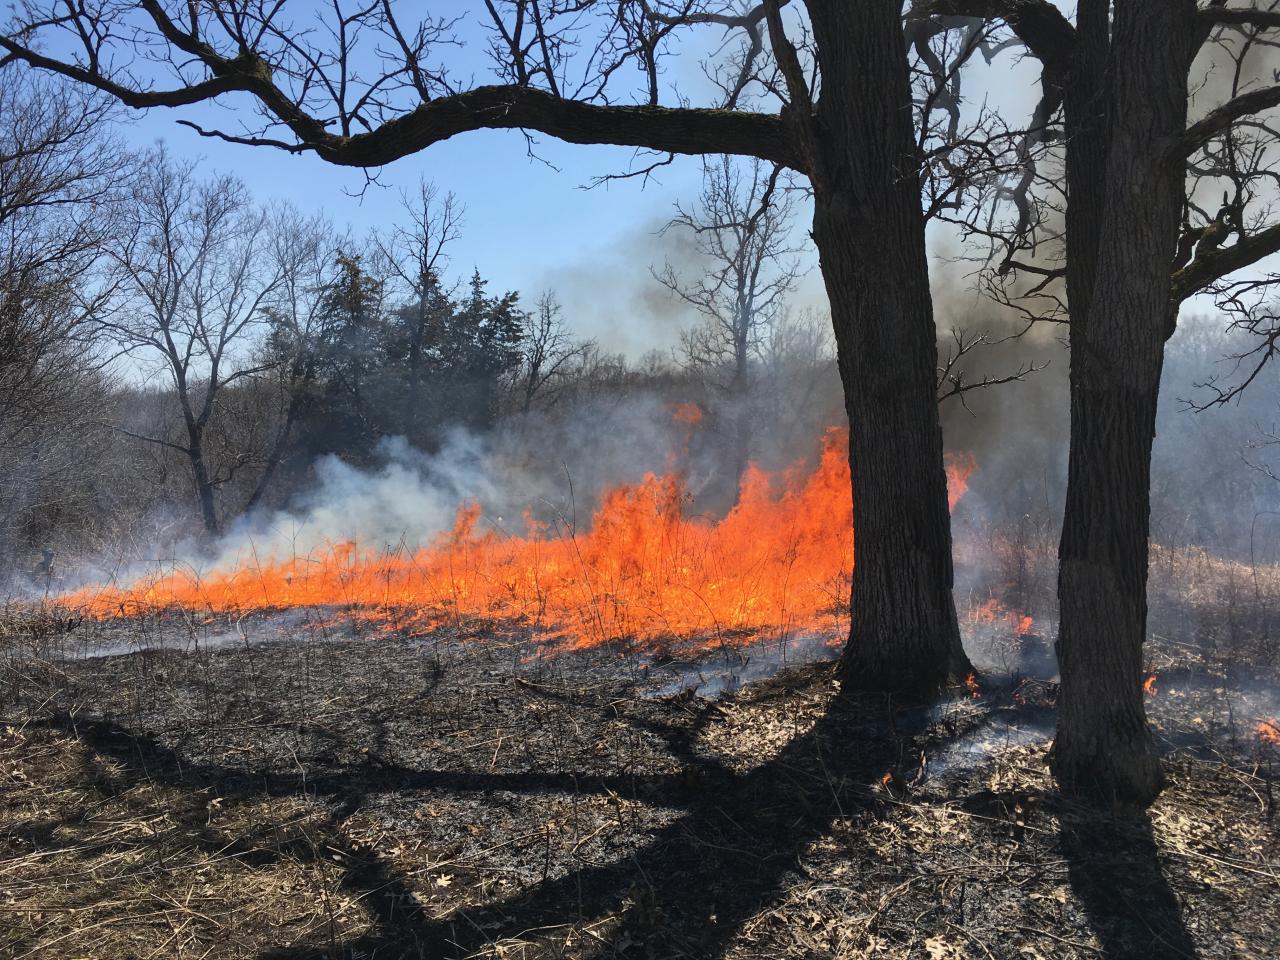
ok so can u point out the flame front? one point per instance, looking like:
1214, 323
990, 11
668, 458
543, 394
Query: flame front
776, 565
1149, 686
993, 610
1269, 731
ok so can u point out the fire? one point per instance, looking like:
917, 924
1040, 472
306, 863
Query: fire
971, 684
993, 610
778, 564
687, 413
960, 468
1269, 731
1149, 686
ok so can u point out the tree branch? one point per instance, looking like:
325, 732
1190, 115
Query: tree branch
1240, 16
1220, 119
1213, 265
1039, 24
156, 440
674, 130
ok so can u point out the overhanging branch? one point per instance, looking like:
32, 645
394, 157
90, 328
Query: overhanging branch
1220, 120
1213, 265
681, 130
1039, 24
1240, 16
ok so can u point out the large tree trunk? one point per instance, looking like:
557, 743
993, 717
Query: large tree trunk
869, 230
1125, 225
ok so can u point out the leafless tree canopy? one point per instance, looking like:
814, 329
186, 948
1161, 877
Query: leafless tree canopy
364, 85
194, 268
1231, 150
746, 265
551, 357
60, 178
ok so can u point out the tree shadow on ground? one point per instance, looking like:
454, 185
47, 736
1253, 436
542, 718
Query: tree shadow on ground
1113, 865
732, 850
688, 892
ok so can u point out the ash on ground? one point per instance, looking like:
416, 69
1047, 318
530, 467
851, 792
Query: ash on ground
290, 788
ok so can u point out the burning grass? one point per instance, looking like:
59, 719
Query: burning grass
347, 793
541, 747
777, 564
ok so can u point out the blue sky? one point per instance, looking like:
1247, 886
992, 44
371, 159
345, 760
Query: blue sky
529, 224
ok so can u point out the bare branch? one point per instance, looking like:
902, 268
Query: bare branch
1218, 121
1213, 265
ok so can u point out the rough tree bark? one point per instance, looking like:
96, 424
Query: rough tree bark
869, 228
1122, 74
1126, 116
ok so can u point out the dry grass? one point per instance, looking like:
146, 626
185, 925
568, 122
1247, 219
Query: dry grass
101, 862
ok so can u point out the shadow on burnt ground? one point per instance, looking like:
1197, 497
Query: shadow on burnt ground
729, 853
1113, 865
690, 889
732, 850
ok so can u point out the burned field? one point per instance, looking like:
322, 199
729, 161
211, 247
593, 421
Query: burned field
288, 787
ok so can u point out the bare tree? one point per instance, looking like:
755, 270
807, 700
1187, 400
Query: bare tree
416, 256
305, 250
1136, 245
59, 182
821, 87
741, 228
550, 356
797, 368
195, 278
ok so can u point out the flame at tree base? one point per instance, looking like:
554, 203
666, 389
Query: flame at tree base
777, 565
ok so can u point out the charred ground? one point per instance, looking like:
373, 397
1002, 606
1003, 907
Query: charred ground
288, 787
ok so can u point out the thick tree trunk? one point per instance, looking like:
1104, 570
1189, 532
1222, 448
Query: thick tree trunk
1126, 230
869, 230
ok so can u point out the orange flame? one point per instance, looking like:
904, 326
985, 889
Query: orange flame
971, 684
960, 467
1149, 686
1269, 731
993, 609
687, 413
776, 565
